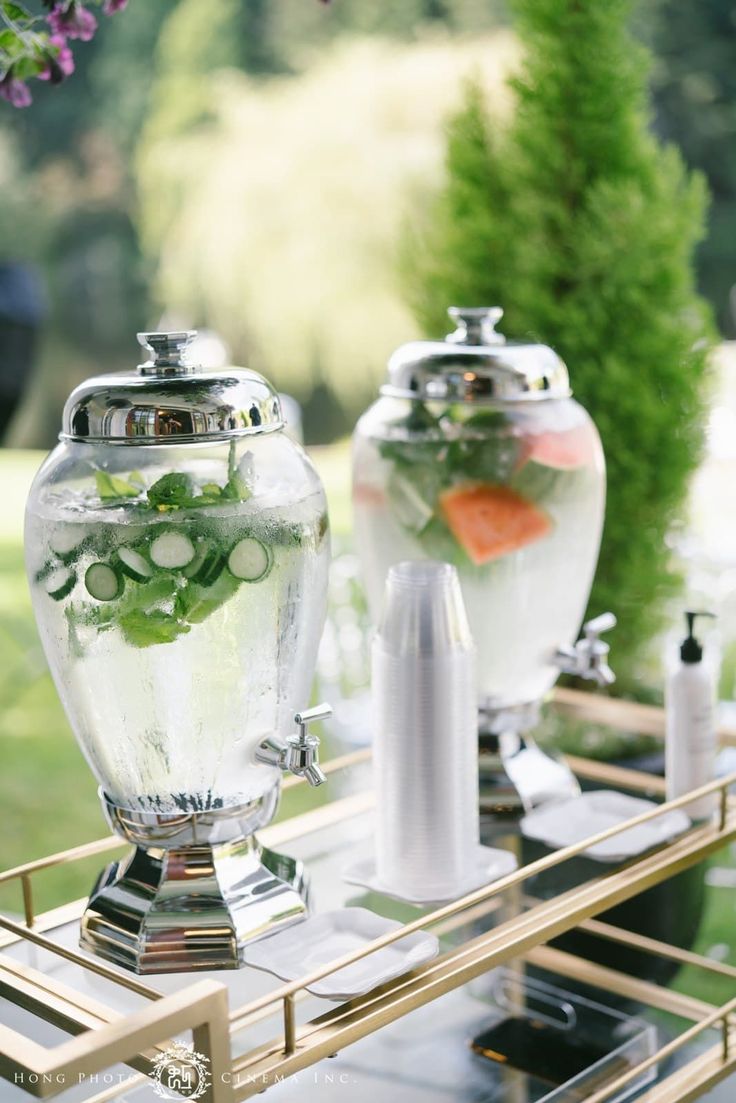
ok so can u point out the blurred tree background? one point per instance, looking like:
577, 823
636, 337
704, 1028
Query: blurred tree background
181, 119
183, 169
694, 90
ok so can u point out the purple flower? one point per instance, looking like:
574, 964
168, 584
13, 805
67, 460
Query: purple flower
59, 64
15, 91
72, 20
112, 6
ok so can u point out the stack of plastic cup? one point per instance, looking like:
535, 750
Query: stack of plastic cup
426, 736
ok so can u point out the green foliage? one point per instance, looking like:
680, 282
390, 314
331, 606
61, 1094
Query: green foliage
121, 71
300, 28
25, 225
263, 38
694, 89
583, 227
197, 40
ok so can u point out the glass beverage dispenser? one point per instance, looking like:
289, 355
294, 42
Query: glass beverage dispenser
477, 455
177, 549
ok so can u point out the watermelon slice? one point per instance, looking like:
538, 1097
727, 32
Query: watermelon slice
491, 521
368, 495
564, 451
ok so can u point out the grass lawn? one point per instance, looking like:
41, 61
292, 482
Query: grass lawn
47, 790
716, 936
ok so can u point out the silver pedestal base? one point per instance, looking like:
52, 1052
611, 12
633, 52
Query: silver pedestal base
195, 890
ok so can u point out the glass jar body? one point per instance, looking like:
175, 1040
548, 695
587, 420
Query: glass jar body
180, 594
513, 496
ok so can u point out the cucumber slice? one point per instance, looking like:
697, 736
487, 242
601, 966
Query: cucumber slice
133, 564
103, 582
48, 568
414, 506
206, 566
60, 583
172, 550
211, 569
200, 554
249, 560
66, 542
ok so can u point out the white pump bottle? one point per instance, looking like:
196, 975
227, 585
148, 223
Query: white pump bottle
690, 749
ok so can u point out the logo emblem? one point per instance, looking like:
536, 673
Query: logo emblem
179, 1073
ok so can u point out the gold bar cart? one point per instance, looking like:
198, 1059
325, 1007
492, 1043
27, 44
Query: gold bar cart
97, 1017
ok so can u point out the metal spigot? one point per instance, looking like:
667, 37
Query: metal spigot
588, 658
299, 755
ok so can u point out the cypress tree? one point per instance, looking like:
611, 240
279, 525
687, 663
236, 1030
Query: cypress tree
583, 227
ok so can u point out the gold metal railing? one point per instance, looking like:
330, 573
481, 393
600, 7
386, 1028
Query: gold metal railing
718, 1018
512, 939
106, 1037
479, 896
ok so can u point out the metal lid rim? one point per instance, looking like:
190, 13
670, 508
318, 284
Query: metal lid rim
388, 391
178, 438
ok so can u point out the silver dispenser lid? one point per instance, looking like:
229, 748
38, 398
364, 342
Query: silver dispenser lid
169, 400
476, 364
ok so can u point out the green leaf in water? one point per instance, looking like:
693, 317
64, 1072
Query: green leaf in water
194, 602
112, 486
236, 488
147, 629
173, 490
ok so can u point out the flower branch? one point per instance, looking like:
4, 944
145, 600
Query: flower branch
37, 47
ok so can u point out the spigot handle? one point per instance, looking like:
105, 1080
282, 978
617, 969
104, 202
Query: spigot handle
302, 756
308, 716
300, 753
603, 623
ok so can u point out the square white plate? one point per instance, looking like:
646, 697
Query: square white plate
488, 864
301, 949
571, 821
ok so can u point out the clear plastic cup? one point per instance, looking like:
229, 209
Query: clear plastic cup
426, 737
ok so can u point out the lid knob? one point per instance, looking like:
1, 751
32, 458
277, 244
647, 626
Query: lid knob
167, 352
476, 325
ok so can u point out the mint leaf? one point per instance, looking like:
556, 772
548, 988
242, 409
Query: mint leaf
174, 490
146, 596
112, 486
236, 488
147, 629
194, 603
